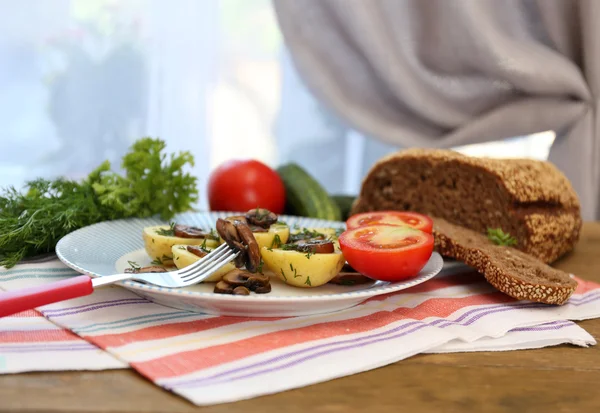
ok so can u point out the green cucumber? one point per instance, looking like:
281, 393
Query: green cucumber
305, 196
344, 202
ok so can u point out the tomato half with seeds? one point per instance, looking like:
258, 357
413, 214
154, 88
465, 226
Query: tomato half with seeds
403, 218
386, 252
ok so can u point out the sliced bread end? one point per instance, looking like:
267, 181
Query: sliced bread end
511, 271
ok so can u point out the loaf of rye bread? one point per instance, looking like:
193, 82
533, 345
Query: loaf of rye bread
531, 200
509, 270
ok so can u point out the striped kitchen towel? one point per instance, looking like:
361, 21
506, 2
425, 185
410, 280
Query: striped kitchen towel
209, 359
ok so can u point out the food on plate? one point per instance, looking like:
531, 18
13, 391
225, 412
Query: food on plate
184, 255
304, 263
310, 258
305, 196
252, 250
531, 200
404, 218
136, 269
387, 252
278, 231
240, 282
239, 237
315, 233
265, 226
509, 270
261, 217
349, 276
242, 233
302, 257
159, 240
240, 185
241, 290
317, 246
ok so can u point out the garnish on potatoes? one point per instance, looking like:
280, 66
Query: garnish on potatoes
184, 255
158, 241
265, 227
266, 239
303, 269
315, 233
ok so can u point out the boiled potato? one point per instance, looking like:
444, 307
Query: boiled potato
303, 270
265, 239
159, 246
182, 258
330, 233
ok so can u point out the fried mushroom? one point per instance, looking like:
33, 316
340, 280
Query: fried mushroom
186, 231
228, 231
252, 249
145, 270
261, 217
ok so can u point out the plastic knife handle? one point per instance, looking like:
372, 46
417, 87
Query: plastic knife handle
12, 302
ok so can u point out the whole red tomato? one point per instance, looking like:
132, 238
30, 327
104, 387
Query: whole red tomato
241, 185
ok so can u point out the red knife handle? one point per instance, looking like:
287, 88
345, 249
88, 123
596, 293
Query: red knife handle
12, 302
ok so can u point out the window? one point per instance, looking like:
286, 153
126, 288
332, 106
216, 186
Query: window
82, 79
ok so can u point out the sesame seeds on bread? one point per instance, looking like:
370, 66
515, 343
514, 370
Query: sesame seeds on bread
532, 200
509, 270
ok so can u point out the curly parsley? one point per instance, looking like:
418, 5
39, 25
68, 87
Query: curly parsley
32, 221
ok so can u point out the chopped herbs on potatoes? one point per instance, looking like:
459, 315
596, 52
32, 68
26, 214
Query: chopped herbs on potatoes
305, 234
32, 221
213, 234
499, 237
167, 232
161, 261
276, 242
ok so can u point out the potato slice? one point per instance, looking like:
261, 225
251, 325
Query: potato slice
158, 247
265, 239
303, 270
330, 233
182, 258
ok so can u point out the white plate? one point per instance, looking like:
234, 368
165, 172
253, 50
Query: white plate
106, 247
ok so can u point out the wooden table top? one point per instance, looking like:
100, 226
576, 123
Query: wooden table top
555, 379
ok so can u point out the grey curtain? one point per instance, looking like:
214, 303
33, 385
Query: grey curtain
443, 73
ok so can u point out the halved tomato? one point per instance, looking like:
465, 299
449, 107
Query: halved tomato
403, 218
386, 252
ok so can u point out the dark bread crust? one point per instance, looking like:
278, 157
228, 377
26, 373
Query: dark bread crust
509, 270
532, 200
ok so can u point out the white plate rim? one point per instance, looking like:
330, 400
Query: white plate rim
436, 261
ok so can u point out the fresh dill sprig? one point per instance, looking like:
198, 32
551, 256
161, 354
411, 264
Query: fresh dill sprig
32, 221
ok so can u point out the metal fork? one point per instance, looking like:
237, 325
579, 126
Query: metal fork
12, 302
